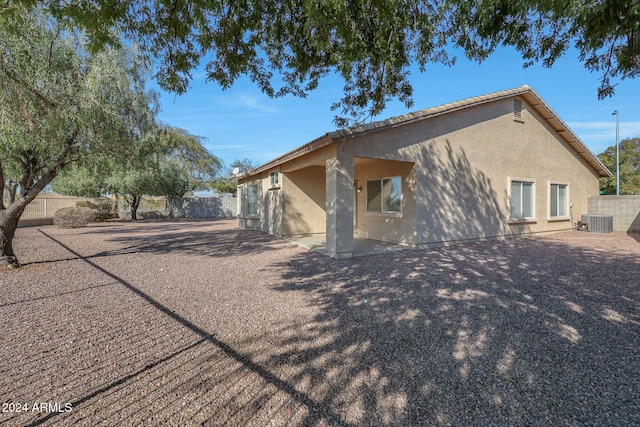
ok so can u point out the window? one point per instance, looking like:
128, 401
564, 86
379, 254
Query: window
274, 179
522, 200
384, 195
239, 198
558, 200
252, 200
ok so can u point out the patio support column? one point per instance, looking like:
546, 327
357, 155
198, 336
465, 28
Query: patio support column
339, 204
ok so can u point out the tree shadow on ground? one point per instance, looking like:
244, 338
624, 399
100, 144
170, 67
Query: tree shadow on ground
120, 356
518, 332
212, 238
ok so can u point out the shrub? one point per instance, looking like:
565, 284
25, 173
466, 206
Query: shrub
105, 208
73, 217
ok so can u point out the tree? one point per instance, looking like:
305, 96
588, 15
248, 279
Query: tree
224, 184
187, 156
287, 47
61, 104
168, 162
243, 165
629, 167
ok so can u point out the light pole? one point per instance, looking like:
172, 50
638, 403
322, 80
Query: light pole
615, 113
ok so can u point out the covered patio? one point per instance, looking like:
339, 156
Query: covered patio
362, 246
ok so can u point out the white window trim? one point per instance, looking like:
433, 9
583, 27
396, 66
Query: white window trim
239, 192
526, 220
245, 202
558, 218
277, 184
383, 212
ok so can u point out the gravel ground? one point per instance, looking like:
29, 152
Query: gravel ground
199, 323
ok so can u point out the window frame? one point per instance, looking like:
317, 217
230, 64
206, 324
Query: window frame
274, 179
246, 203
382, 210
239, 199
524, 219
567, 205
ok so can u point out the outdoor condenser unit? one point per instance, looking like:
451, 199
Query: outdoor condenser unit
598, 223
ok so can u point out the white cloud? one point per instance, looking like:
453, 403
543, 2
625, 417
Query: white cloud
248, 101
226, 147
627, 128
599, 135
253, 102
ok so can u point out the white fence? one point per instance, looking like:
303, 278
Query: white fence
46, 207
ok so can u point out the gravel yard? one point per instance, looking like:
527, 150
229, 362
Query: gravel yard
192, 323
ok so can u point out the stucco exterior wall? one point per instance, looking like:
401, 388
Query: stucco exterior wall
386, 226
297, 205
456, 168
303, 201
268, 218
463, 164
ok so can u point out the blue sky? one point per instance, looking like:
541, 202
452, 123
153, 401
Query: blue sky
243, 123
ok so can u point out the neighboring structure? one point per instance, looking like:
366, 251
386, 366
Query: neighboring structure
490, 166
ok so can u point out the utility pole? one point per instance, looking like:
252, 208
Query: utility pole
615, 113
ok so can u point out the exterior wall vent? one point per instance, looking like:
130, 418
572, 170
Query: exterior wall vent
598, 223
517, 109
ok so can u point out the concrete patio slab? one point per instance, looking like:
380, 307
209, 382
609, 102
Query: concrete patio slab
362, 246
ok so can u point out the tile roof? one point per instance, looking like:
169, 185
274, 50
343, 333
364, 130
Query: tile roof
524, 91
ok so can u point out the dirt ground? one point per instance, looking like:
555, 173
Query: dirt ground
200, 323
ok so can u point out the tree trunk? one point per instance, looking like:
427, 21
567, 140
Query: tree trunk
9, 217
13, 190
1, 187
8, 223
135, 202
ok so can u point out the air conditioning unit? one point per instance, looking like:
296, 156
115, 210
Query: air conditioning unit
598, 223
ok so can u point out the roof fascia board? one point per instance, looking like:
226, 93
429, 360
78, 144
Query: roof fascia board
524, 91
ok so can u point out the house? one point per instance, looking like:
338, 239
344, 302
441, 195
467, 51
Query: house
492, 166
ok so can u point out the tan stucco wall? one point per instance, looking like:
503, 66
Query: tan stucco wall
298, 205
455, 170
463, 164
303, 201
269, 218
386, 226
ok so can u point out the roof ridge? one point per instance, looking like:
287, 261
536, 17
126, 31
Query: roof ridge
525, 90
431, 111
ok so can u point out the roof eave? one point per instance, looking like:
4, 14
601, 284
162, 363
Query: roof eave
525, 91
307, 148
565, 132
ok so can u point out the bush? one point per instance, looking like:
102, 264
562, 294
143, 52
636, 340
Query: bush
152, 215
105, 208
73, 217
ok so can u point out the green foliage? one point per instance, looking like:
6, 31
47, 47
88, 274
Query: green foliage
629, 167
80, 181
188, 165
606, 33
224, 184
243, 165
104, 208
288, 47
61, 104
167, 162
74, 217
